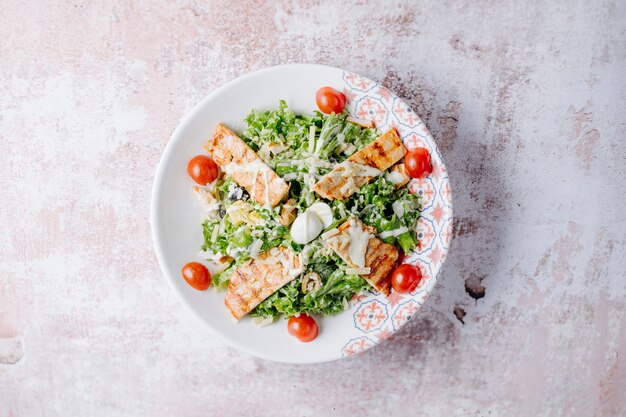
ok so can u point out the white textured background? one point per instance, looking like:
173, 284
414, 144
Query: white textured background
527, 101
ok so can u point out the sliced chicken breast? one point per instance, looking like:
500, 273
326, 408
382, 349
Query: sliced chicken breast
259, 278
237, 159
370, 257
359, 169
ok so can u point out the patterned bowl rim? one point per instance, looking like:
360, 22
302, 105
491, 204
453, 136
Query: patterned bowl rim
377, 316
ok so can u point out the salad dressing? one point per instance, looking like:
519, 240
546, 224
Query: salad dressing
254, 178
353, 169
359, 240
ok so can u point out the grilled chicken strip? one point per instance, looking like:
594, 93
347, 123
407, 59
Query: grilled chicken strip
346, 178
259, 278
237, 159
358, 246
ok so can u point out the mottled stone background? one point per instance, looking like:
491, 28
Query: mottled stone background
527, 101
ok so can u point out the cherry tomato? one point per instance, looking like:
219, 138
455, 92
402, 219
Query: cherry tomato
202, 169
303, 327
330, 100
406, 278
417, 163
197, 275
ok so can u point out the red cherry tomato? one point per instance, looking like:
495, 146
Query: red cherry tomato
330, 100
417, 163
406, 278
303, 327
202, 169
197, 275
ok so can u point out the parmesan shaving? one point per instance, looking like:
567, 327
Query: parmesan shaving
255, 247
262, 321
358, 271
353, 169
277, 148
215, 234
315, 160
394, 232
267, 190
332, 232
270, 260
342, 211
360, 122
311, 139
348, 187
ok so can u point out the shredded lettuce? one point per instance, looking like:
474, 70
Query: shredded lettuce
336, 291
301, 149
373, 204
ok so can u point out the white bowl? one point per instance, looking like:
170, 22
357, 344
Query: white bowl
177, 217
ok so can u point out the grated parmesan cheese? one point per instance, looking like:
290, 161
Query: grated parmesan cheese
350, 149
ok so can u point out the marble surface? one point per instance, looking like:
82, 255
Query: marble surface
527, 101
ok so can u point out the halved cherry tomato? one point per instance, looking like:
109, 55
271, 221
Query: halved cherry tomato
330, 100
202, 169
406, 278
197, 275
417, 163
303, 327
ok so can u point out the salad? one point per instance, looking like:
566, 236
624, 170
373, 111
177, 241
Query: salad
304, 212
